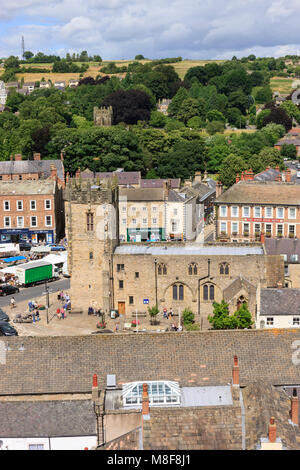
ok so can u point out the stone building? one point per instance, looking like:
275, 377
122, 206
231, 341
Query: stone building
18, 169
132, 277
3, 94
251, 208
91, 226
191, 276
103, 116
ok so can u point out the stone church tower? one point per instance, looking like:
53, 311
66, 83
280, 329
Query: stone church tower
92, 231
103, 116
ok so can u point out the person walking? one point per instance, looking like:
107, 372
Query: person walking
62, 311
12, 302
37, 315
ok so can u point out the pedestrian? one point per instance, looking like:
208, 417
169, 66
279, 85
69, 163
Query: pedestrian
37, 314
90, 311
30, 305
62, 296
58, 296
12, 302
179, 328
165, 312
33, 317
62, 311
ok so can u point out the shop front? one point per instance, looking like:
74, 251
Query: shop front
145, 234
24, 234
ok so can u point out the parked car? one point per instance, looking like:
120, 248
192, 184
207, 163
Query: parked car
56, 247
7, 330
3, 316
7, 289
25, 246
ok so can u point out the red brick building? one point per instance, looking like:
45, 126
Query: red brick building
250, 210
31, 210
17, 169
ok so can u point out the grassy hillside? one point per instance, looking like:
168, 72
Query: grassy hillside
282, 85
180, 67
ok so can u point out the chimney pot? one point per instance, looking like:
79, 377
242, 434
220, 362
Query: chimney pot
145, 400
235, 371
272, 430
95, 380
36, 156
18, 157
295, 407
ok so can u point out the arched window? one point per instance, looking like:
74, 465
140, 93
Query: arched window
178, 292
162, 269
208, 292
193, 269
224, 269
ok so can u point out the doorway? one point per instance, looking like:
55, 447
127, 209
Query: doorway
121, 308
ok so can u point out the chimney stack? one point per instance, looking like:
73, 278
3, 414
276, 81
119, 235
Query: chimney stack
95, 389
62, 156
198, 177
235, 371
53, 172
250, 175
145, 400
77, 174
242, 176
295, 407
36, 156
288, 175
272, 430
237, 178
11, 158
166, 189
219, 189
18, 157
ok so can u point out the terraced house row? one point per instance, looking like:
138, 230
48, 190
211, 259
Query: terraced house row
252, 210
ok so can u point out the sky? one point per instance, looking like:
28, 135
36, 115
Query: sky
121, 29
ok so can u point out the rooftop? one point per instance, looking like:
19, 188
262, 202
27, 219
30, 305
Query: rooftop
66, 364
57, 418
193, 249
280, 302
27, 187
13, 167
254, 192
283, 246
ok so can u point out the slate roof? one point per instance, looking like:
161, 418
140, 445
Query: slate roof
261, 401
66, 364
283, 246
158, 183
47, 418
280, 302
31, 166
27, 187
124, 177
200, 190
142, 194
288, 142
253, 192
267, 175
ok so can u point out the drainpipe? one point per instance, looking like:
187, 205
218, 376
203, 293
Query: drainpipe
155, 267
199, 281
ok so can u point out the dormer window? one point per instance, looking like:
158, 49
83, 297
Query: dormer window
159, 392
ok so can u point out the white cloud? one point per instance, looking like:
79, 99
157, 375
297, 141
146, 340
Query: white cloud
122, 28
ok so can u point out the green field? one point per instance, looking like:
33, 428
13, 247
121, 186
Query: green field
282, 85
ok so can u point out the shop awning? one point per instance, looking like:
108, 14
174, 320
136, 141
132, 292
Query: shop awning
13, 258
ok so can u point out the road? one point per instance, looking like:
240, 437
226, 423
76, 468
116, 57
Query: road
29, 293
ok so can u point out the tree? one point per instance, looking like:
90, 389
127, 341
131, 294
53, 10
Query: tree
195, 123
188, 109
279, 116
28, 54
222, 320
289, 151
215, 115
11, 63
157, 119
129, 106
215, 126
232, 165
261, 116
188, 318
176, 102
153, 312
271, 157
263, 95
183, 160
139, 57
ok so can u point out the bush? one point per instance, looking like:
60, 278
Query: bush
188, 317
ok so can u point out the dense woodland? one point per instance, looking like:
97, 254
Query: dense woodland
191, 138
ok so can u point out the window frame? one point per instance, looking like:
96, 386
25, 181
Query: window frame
33, 217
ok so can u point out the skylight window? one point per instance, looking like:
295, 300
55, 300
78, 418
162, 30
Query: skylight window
160, 393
